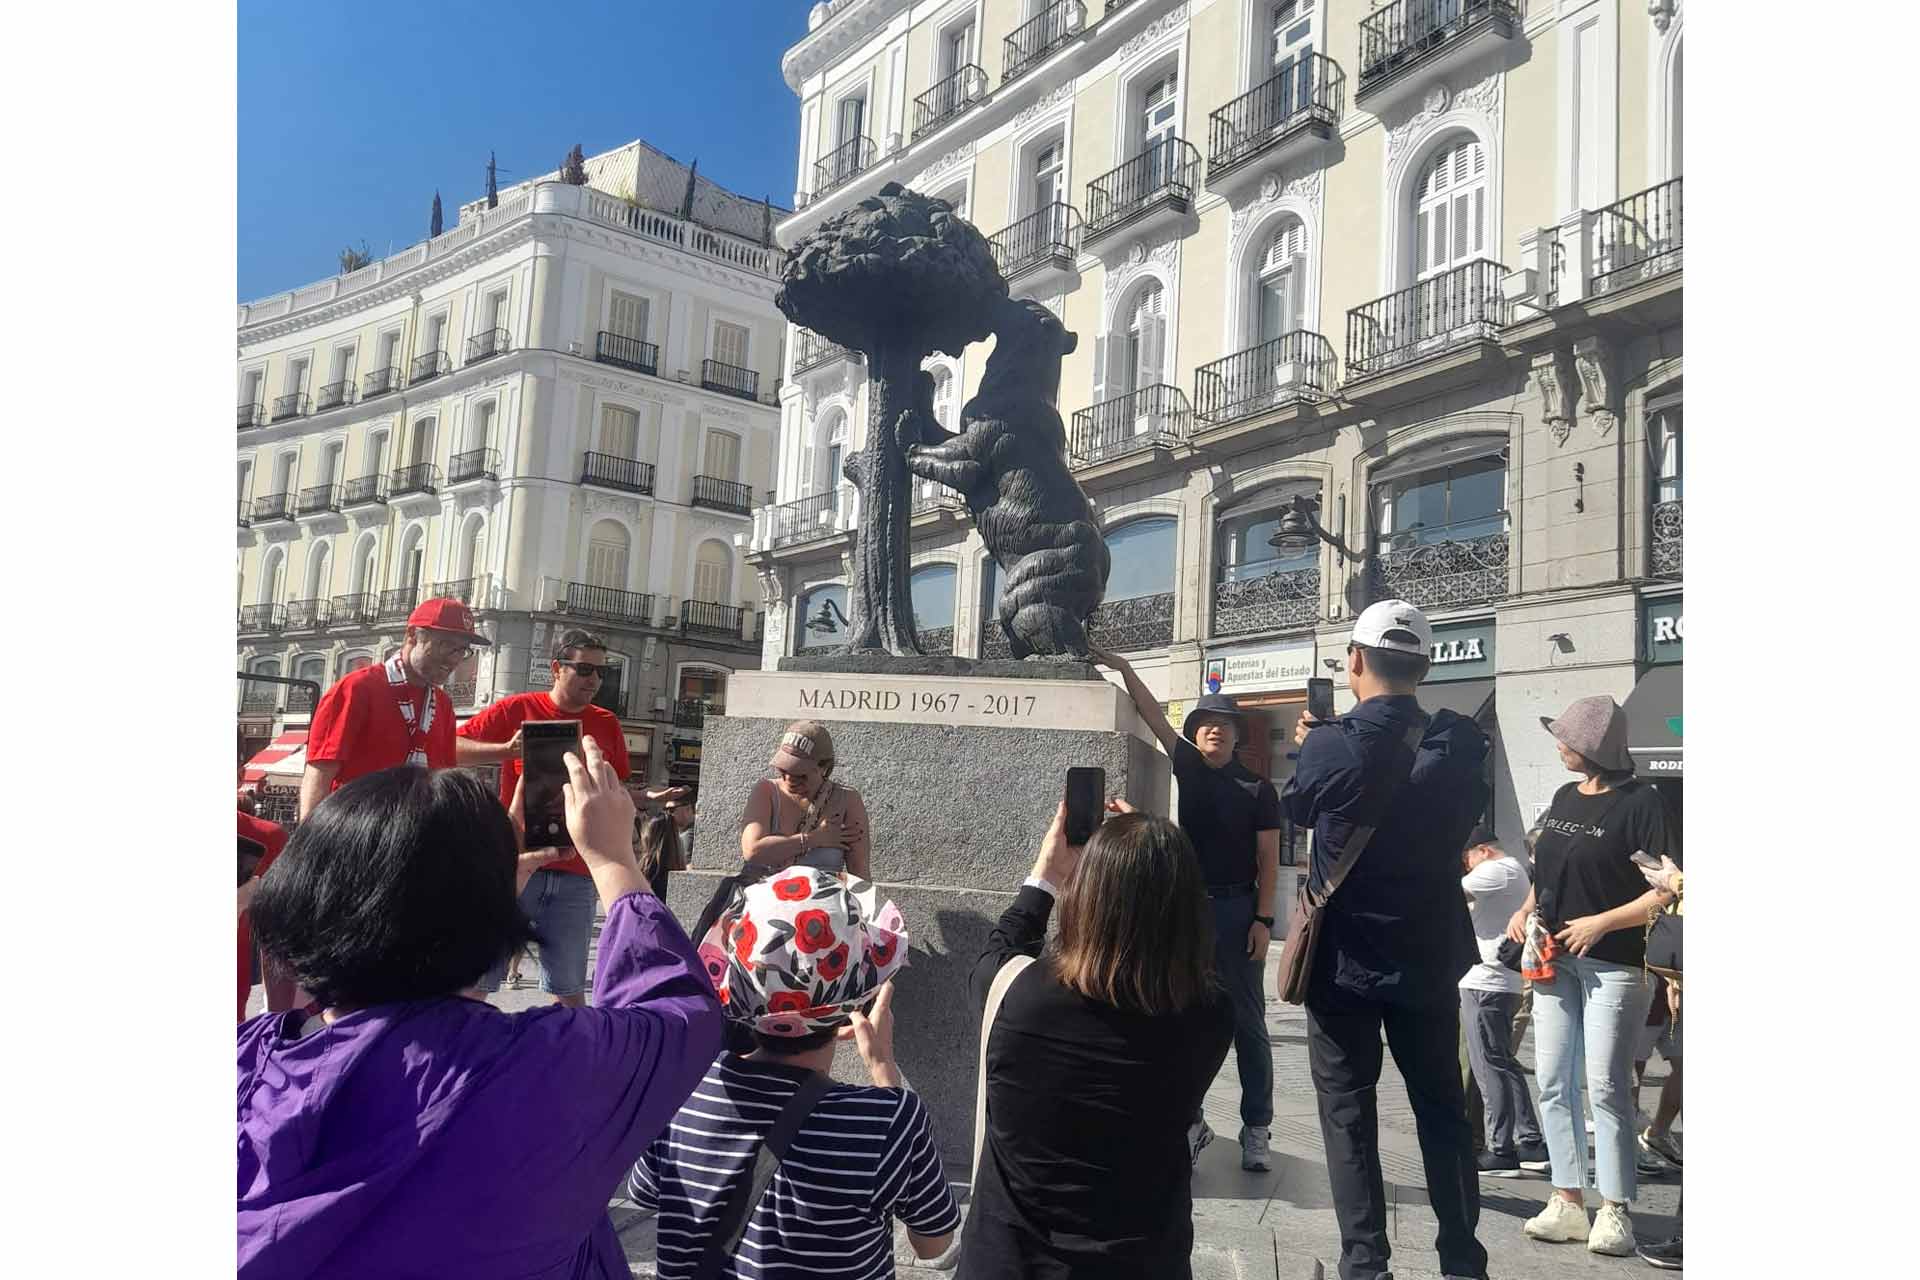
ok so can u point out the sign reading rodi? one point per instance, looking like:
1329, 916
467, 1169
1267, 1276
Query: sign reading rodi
1284, 667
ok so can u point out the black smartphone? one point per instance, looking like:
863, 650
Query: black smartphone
543, 748
1319, 699
1643, 858
1086, 803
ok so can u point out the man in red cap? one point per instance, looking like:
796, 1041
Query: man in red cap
263, 841
393, 713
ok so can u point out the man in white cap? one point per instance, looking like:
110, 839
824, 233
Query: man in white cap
1395, 936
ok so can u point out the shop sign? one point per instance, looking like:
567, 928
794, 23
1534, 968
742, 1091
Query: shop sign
1281, 667
1462, 651
1666, 629
639, 742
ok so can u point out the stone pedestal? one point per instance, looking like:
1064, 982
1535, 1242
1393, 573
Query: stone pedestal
961, 776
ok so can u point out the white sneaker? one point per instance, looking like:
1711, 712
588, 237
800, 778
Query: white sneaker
1198, 1136
1560, 1221
1612, 1232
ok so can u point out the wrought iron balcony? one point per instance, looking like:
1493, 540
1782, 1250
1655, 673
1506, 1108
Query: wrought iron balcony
692, 713
428, 365
708, 617
803, 519
1408, 34
1158, 180
486, 344
843, 164
583, 599
469, 591
1047, 237
255, 700
301, 701
1294, 367
333, 395
1247, 600
623, 352
928, 496
610, 472
306, 615
257, 618
1637, 238
271, 507
354, 609
1305, 99
421, 477
396, 603
1664, 560
1142, 622
1039, 36
363, 490
1463, 305
318, 499
291, 405
379, 383
1155, 417
949, 99
722, 495
252, 415
730, 379
461, 692
1443, 567
474, 464
936, 641
810, 351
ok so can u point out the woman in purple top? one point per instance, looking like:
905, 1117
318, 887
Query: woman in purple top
408, 1130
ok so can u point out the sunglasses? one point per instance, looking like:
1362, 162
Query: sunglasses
589, 669
451, 645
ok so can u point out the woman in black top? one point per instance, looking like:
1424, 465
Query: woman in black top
1099, 1057
1594, 902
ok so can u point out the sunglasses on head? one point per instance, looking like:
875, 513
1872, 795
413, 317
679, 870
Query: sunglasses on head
587, 668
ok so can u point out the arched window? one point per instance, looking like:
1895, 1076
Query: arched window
932, 590
1245, 550
307, 667
1450, 209
1279, 285
420, 443
713, 573
820, 618
413, 558
1142, 343
830, 454
319, 571
1674, 100
1143, 557
363, 565
273, 572
266, 666
472, 558
353, 660
607, 545
944, 411
1450, 502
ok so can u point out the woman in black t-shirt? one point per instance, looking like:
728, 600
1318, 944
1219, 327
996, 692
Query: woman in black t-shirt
1593, 900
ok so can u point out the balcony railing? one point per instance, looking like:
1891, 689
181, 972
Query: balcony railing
362, 490
486, 344
843, 164
810, 351
610, 472
1048, 234
1278, 600
1152, 417
474, 464
1143, 622
306, 615
928, 496
1637, 238
354, 609
469, 591
426, 365
1293, 367
583, 599
722, 495
379, 383
730, 379
948, 99
802, 519
1664, 546
1406, 32
252, 415
707, 617
333, 395
1308, 91
291, 405
273, 506
461, 692
262, 617
1039, 36
396, 603
421, 477
259, 701
626, 353
1445, 566
1463, 305
692, 713
1164, 173
318, 499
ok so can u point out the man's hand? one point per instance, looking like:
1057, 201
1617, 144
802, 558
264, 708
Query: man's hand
511, 747
656, 795
1302, 727
1259, 938
1517, 926
872, 1034
1117, 805
599, 811
1581, 933
1058, 860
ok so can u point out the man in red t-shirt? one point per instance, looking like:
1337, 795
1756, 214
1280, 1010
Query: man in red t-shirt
394, 712
560, 898
266, 840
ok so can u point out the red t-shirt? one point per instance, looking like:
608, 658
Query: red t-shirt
499, 722
358, 724
272, 837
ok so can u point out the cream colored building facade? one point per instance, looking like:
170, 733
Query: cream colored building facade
1416, 262
562, 410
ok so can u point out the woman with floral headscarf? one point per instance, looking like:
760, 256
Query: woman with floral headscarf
798, 961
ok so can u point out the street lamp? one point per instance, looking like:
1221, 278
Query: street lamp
1300, 528
829, 620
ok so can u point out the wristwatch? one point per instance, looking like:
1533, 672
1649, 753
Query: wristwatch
1265, 920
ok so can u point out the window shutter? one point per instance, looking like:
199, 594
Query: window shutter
1153, 343
1462, 215
619, 431
1480, 221
1100, 345
627, 317
1420, 244
730, 344
723, 455
1297, 291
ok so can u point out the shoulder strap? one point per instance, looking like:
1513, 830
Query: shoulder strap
1363, 836
1013, 968
732, 1223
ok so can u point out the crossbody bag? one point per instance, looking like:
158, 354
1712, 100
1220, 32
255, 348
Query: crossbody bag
1013, 968
731, 1226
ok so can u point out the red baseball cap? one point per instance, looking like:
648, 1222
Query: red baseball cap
444, 613
271, 837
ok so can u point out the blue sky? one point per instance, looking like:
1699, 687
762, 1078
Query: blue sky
351, 113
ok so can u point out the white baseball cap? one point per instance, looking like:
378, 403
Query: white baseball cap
1395, 625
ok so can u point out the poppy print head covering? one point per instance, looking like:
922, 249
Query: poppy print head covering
798, 951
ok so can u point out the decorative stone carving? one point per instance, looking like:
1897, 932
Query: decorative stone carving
1304, 187
723, 411
1593, 361
1553, 381
597, 502
1270, 187
952, 160
1165, 255
1661, 11
633, 388
1482, 98
1172, 20
1137, 254
773, 593
1045, 102
1436, 100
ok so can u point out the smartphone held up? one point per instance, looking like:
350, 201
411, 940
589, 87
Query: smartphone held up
1086, 803
543, 765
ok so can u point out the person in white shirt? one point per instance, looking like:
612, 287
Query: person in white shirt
1496, 886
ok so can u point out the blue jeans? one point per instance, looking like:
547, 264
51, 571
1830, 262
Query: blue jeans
560, 904
1587, 1019
1245, 983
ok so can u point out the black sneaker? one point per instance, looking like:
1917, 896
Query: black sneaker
1534, 1157
1665, 1255
1495, 1164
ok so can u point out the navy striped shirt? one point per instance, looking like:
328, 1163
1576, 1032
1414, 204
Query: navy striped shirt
863, 1156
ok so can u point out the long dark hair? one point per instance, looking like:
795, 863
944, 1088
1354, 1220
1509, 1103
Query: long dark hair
1134, 928
659, 844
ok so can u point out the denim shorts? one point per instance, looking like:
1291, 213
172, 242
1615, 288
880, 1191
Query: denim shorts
561, 906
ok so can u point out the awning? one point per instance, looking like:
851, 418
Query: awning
289, 749
1653, 722
1470, 698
